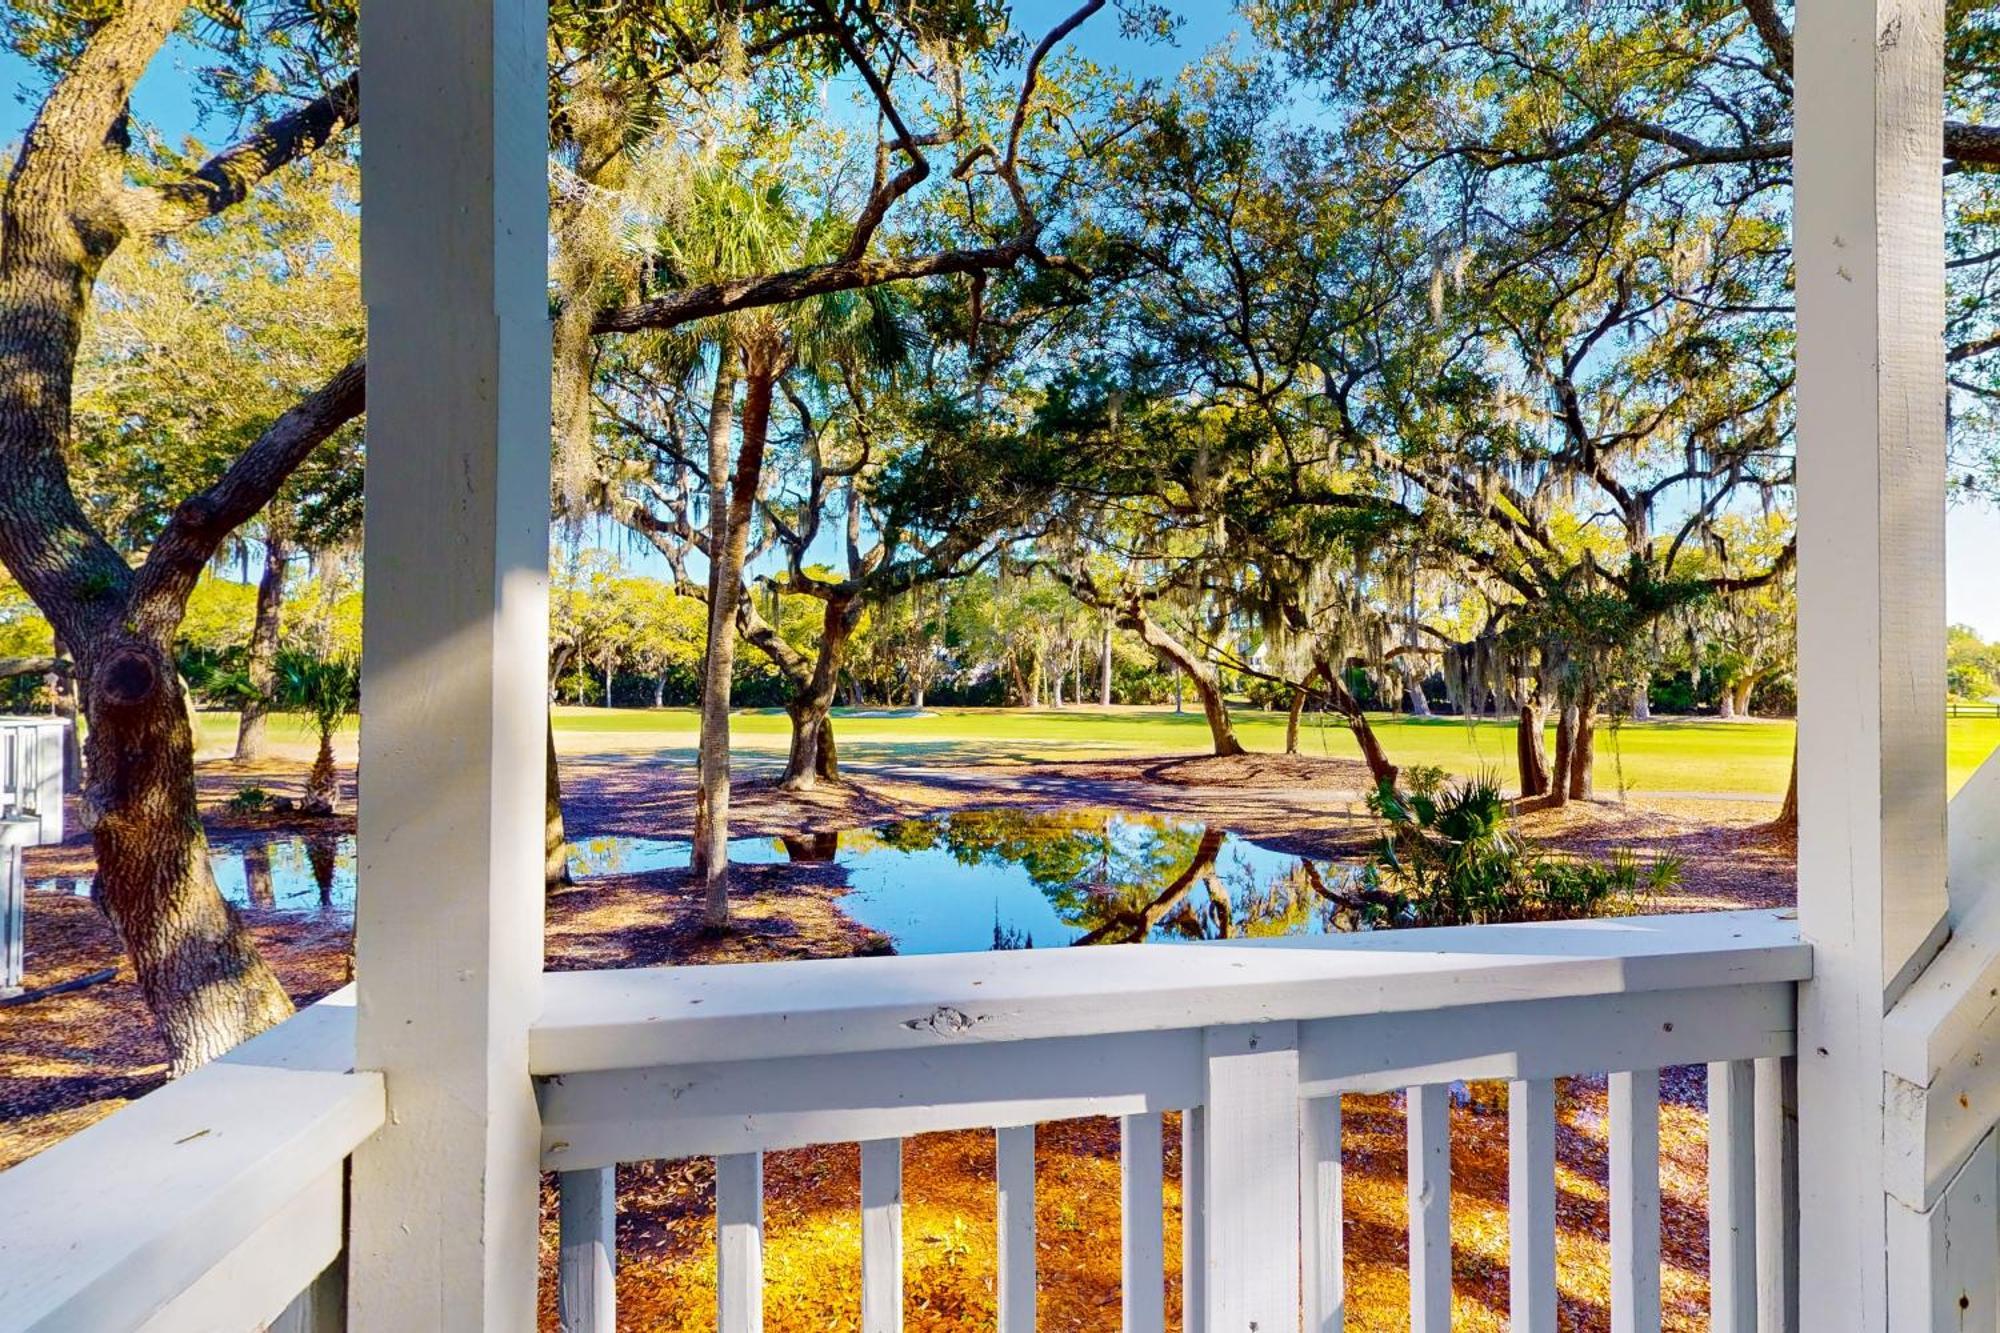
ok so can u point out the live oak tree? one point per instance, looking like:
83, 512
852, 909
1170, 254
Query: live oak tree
1583, 319
79, 191
76, 194
196, 343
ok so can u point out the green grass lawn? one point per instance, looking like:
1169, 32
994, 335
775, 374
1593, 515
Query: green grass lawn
1751, 758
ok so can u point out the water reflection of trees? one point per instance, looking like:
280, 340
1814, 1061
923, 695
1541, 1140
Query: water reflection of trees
1122, 878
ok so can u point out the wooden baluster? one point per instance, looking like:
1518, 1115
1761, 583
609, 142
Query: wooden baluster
1732, 1197
882, 1236
587, 1219
1531, 1204
1251, 1194
1194, 1220
1014, 1176
1320, 1215
16, 836
739, 1242
1142, 1223
1777, 1164
1635, 1201
1427, 1113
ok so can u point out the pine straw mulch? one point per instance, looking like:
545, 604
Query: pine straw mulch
69, 1060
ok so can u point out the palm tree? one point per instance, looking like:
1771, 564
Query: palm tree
734, 225
327, 690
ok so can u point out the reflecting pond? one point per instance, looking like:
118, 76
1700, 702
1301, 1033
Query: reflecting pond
286, 874
974, 880
1000, 879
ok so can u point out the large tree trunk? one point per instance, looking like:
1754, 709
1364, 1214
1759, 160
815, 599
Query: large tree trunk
1559, 776
719, 649
262, 659
1788, 813
1583, 748
198, 968
1380, 769
1530, 752
725, 586
813, 758
67, 206
1298, 706
555, 838
1642, 702
1192, 669
1104, 662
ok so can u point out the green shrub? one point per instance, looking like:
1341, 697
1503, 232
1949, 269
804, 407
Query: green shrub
249, 800
1452, 857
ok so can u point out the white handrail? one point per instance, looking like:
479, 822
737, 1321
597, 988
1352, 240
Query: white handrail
211, 1203
646, 1017
1253, 1043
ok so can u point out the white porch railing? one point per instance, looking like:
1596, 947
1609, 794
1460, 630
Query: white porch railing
31, 815
31, 774
216, 1203
1253, 1043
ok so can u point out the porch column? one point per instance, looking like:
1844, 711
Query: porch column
1868, 241
448, 920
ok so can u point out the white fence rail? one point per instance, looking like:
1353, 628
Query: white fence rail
31, 773
1252, 1042
212, 1205
31, 815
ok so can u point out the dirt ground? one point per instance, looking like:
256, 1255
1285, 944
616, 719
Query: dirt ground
67, 1060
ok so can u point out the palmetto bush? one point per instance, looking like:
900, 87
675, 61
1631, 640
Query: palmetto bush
1452, 856
326, 689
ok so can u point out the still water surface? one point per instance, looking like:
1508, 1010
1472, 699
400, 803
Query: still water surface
944, 884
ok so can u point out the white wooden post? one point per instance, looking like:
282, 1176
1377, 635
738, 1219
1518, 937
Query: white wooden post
1194, 1220
1943, 1273
1531, 1205
17, 834
587, 1230
448, 922
882, 1236
1251, 1191
1777, 1195
739, 1243
1320, 1200
1427, 1128
1142, 1223
1634, 1103
1014, 1183
1868, 247
1732, 1197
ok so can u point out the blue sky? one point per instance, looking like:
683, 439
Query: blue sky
1972, 564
